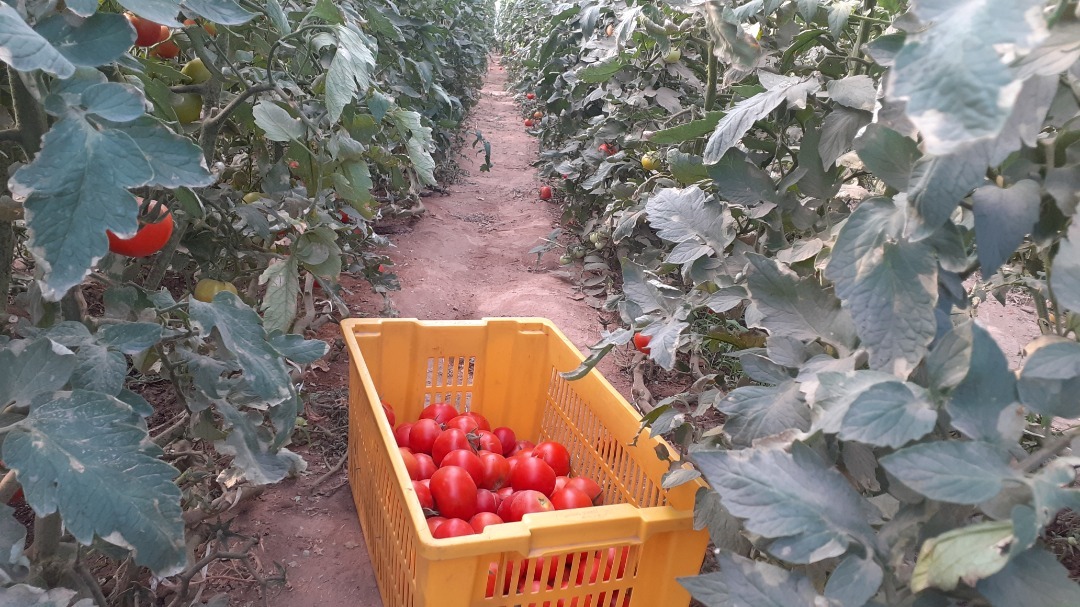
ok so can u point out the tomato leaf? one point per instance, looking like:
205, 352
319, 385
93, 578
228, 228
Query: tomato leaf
113, 487
26, 50
350, 70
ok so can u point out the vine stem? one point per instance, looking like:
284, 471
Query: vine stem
1049, 450
710, 87
7, 260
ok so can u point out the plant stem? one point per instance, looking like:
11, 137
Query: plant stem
1048, 450
7, 260
47, 531
29, 116
161, 264
710, 87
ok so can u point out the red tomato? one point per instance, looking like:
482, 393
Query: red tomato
533, 473
149, 239
489, 442
529, 502
496, 471
607, 149
464, 423
440, 412
589, 487
504, 506
423, 434
434, 522
507, 438
401, 435
555, 455
560, 482
486, 501
425, 465
530, 96
423, 494
570, 498
528, 122
466, 459
609, 558
480, 420
167, 49
411, 466
454, 492
449, 440
454, 527
426, 482
504, 494
522, 444
147, 32
388, 411
483, 519
523, 454
545, 193
641, 342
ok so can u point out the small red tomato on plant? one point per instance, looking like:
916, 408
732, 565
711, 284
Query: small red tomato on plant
147, 32
166, 49
641, 342
545, 193
150, 237
528, 122
530, 96
538, 115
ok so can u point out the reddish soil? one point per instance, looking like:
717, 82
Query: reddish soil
466, 258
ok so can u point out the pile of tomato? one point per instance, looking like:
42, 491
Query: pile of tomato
468, 476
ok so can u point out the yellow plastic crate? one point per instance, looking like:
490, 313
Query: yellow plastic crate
508, 370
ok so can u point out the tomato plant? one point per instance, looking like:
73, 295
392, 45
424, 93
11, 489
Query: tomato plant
826, 192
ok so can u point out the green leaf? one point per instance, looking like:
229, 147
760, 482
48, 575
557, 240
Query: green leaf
958, 472
854, 581
99, 369
977, 405
25, 50
834, 394
1065, 275
99, 39
755, 412
950, 360
350, 71
967, 554
1050, 380
601, 71
242, 333
31, 368
740, 181
665, 337
686, 131
299, 350
839, 13
1003, 217
806, 506
130, 337
838, 132
797, 307
744, 114
856, 92
949, 102
250, 445
889, 414
276, 122
419, 143
889, 155
1033, 579
23, 595
282, 287
225, 12
742, 582
112, 487
644, 293
689, 218
888, 284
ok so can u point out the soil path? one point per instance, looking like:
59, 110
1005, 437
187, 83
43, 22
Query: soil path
466, 258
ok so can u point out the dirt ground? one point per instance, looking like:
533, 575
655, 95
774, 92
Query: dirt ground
465, 258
